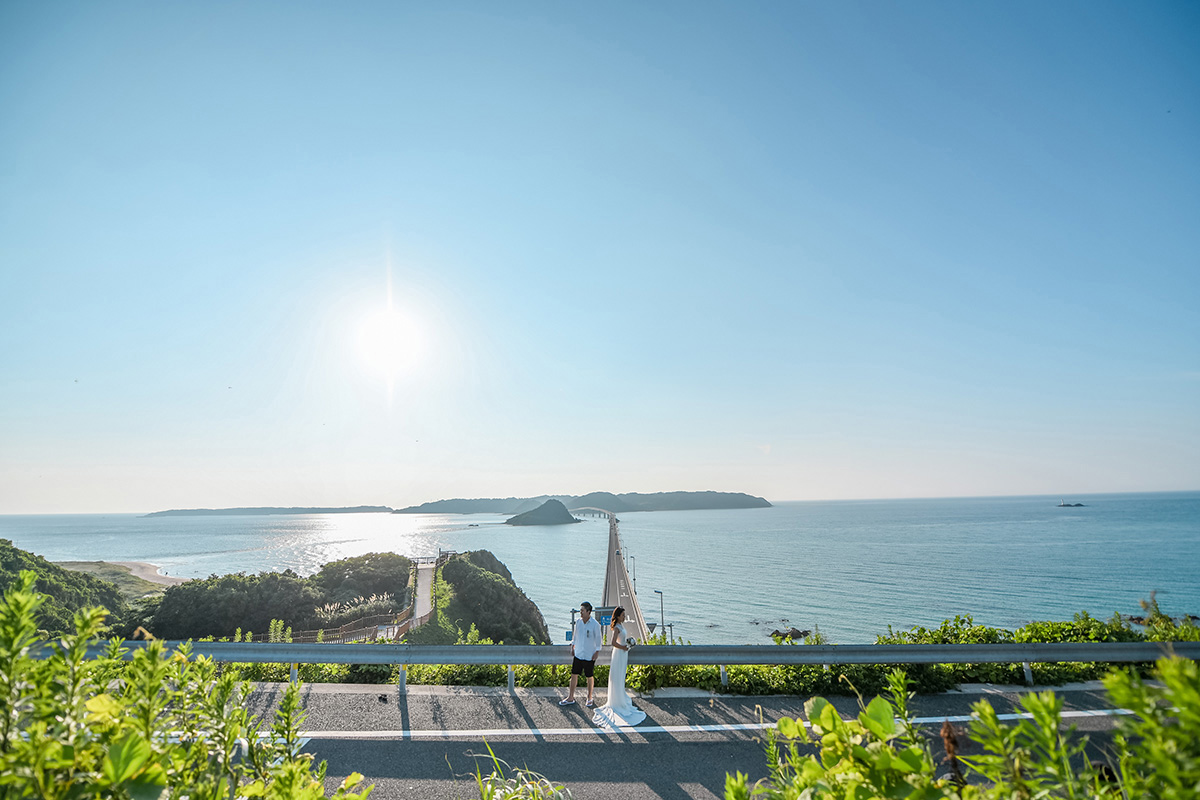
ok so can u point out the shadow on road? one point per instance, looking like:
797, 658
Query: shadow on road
607, 767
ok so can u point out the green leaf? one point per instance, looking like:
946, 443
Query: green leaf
879, 719
125, 758
104, 707
256, 789
150, 785
822, 715
790, 728
909, 759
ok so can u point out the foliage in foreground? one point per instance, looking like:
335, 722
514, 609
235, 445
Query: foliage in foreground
519, 783
158, 726
882, 754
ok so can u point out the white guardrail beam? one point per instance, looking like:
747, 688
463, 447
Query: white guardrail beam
716, 655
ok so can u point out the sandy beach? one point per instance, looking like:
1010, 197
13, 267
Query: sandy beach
149, 572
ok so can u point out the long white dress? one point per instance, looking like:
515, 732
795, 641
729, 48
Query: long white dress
618, 710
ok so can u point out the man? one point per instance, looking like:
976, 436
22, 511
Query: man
585, 649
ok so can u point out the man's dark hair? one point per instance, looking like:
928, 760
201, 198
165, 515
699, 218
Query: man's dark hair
586, 604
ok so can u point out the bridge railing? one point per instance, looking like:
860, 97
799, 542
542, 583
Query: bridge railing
678, 655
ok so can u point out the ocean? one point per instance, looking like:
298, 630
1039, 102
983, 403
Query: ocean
849, 568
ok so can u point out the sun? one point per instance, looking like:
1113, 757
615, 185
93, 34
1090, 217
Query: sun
390, 343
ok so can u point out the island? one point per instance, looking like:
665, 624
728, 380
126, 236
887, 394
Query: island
616, 503
267, 511
551, 512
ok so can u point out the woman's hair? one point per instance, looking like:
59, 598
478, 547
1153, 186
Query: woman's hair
618, 614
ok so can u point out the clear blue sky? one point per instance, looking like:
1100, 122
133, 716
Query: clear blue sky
801, 250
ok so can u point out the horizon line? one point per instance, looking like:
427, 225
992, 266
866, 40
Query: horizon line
773, 502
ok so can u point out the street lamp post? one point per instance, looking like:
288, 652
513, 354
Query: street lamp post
662, 617
634, 560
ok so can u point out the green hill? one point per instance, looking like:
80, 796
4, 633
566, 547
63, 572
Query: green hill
68, 590
551, 512
477, 589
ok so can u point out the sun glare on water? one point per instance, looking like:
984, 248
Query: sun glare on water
390, 343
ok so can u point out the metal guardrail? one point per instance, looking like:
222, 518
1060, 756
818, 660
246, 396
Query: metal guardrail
716, 655
721, 656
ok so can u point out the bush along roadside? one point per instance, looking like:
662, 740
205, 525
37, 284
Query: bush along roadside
881, 753
159, 725
77, 727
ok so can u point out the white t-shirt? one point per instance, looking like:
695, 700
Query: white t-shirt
586, 639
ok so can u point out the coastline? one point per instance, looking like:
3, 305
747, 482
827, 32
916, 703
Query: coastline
149, 572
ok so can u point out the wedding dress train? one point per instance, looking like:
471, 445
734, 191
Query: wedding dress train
618, 710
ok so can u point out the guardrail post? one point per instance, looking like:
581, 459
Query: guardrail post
1028, 673
512, 679
295, 674
724, 676
402, 679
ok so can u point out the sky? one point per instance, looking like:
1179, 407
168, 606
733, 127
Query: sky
322, 254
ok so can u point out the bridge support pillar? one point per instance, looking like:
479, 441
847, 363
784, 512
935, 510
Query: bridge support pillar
512, 679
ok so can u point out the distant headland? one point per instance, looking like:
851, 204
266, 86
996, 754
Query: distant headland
617, 503
267, 511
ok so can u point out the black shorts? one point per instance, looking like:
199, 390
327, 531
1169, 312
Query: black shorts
585, 668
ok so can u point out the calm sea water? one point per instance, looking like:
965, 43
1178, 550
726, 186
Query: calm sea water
730, 577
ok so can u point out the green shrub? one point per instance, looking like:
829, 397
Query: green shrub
219, 605
1161, 628
460, 674
74, 727
485, 559
363, 576
505, 782
960, 630
870, 756
493, 603
1159, 745
881, 754
1083, 628
335, 615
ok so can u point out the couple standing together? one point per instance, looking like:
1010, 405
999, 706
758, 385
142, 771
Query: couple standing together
618, 710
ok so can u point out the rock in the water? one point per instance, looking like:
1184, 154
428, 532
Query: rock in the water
790, 633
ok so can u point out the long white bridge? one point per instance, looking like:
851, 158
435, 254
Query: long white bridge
618, 589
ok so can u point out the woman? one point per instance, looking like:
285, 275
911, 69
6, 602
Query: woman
618, 710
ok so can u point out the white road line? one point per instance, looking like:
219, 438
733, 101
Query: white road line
503, 732
1100, 712
499, 733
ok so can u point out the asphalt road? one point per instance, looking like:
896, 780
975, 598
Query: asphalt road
429, 742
